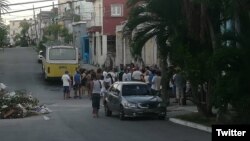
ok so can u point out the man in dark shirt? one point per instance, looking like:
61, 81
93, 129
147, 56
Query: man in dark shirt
77, 84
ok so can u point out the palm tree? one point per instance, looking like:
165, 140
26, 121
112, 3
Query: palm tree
197, 43
188, 24
153, 19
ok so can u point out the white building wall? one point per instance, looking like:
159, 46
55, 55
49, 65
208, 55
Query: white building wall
97, 14
99, 58
96, 19
105, 50
84, 9
123, 54
14, 30
119, 48
149, 52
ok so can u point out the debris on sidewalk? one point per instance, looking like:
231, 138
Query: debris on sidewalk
19, 104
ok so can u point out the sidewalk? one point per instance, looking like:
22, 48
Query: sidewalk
175, 110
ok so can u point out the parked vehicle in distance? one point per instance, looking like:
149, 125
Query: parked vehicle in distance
57, 59
133, 99
40, 56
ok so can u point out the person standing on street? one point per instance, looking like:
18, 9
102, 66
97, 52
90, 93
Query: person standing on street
95, 87
156, 83
89, 79
146, 78
83, 81
125, 75
77, 85
136, 75
179, 85
66, 85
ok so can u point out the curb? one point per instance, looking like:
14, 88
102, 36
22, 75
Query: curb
191, 124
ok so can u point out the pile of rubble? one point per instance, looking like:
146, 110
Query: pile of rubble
19, 104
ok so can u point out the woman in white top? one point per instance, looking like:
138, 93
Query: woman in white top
95, 87
146, 78
156, 83
103, 89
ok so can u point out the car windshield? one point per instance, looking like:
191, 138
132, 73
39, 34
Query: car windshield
138, 89
62, 54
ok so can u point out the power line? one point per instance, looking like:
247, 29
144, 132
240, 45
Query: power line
30, 9
21, 3
39, 7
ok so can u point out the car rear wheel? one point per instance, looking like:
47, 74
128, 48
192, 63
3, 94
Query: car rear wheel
108, 113
121, 113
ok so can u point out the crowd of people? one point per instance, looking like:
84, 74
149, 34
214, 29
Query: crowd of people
95, 84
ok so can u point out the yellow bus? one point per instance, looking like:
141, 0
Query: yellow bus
57, 59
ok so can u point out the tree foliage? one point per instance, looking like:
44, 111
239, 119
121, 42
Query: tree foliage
3, 29
3, 36
53, 31
208, 40
24, 38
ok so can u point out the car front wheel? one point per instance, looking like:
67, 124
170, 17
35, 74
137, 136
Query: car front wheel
121, 113
108, 113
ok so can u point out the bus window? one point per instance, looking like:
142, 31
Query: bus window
62, 54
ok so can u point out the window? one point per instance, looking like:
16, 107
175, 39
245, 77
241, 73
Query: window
116, 10
138, 89
62, 54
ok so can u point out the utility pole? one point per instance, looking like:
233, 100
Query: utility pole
53, 12
0, 14
40, 24
34, 16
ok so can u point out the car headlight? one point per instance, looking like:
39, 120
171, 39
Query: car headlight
130, 105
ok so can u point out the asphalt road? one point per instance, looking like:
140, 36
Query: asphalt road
71, 120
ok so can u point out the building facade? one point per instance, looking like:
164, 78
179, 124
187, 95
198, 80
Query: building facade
149, 53
102, 29
15, 29
44, 19
79, 33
